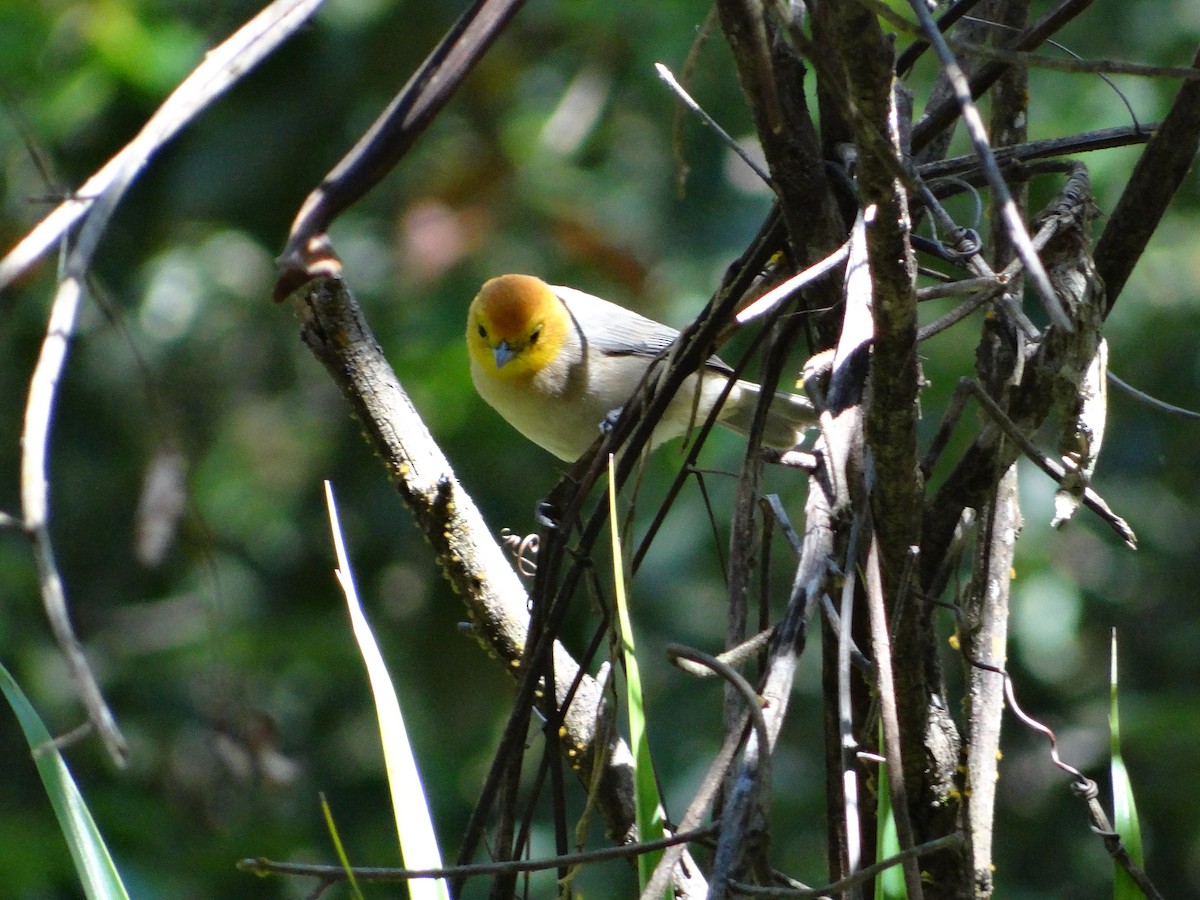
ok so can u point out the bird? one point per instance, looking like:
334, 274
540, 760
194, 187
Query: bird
558, 364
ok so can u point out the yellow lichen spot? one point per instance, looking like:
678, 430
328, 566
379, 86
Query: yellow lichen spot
999, 755
571, 752
562, 731
1012, 573
515, 663
954, 641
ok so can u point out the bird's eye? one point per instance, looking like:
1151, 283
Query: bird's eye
537, 333
482, 331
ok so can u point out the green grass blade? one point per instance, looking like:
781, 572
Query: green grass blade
340, 849
649, 809
97, 874
414, 824
1125, 817
890, 883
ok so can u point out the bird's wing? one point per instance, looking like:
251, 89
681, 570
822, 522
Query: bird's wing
614, 330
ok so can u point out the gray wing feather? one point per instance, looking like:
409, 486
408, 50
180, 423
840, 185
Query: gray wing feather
618, 331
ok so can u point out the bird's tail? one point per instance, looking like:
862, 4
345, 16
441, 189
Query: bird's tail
788, 418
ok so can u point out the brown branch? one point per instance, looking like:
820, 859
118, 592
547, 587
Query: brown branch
1156, 177
389, 138
790, 143
332, 874
1086, 142
983, 634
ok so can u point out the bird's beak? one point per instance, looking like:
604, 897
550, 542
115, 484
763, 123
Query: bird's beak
503, 353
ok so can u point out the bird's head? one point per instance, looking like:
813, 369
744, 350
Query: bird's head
516, 326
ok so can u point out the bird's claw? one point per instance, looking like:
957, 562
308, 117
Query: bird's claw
547, 515
609, 422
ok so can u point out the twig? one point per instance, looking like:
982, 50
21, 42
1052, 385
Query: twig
946, 842
735, 679
1077, 65
389, 138
1091, 499
740, 819
1152, 401
852, 822
1084, 142
779, 294
914, 51
331, 873
882, 652
940, 112
35, 509
686, 99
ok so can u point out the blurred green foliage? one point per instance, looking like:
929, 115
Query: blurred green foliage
229, 660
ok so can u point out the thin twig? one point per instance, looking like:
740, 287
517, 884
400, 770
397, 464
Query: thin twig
946, 842
262, 866
389, 138
1091, 499
1152, 401
35, 509
1084, 142
686, 99
845, 714
779, 294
